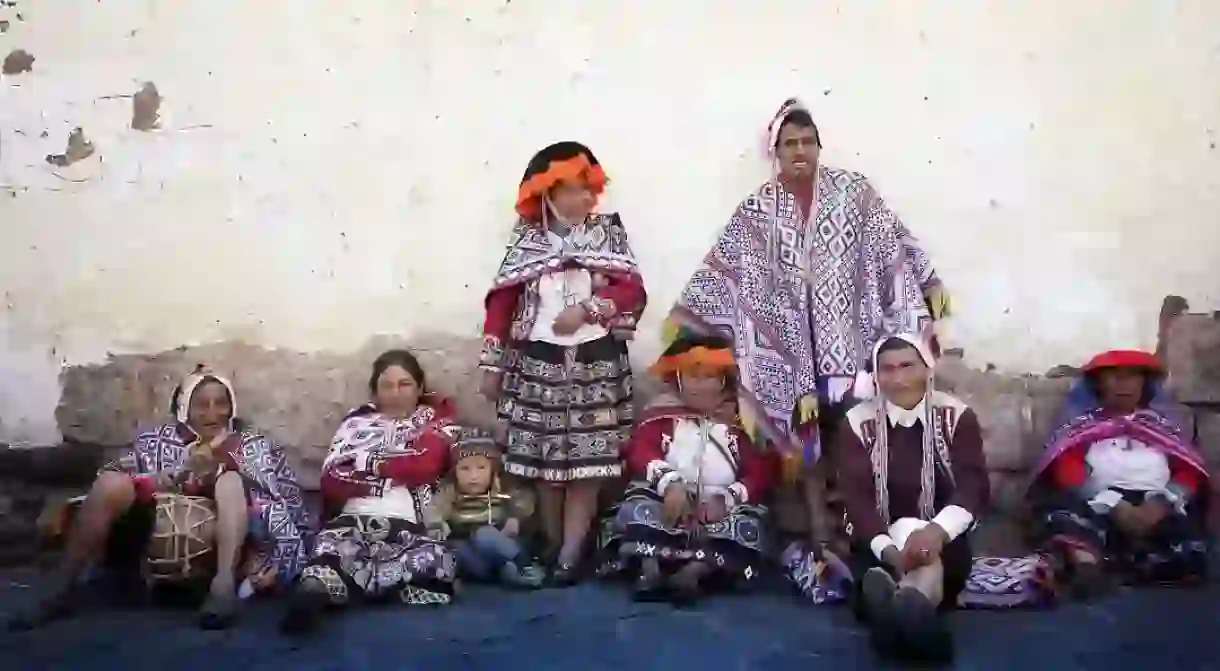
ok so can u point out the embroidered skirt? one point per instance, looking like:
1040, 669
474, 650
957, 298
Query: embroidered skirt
1175, 551
567, 409
732, 546
373, 557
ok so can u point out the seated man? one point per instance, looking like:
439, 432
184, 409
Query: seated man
205, 451
1119, 486
691, 518
914, 480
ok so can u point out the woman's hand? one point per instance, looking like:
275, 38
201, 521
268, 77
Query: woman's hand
713, 510
572, 318
1128, 519
675, 507
201, 464
489, 387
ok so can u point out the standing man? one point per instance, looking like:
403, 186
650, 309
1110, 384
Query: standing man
811, 268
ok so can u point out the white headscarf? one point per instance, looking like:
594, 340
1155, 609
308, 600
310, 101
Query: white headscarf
772, 137
182, 404
935, 442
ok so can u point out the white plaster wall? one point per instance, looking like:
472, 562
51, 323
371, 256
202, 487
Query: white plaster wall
326, 170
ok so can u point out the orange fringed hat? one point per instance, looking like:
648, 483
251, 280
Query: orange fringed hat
1124, 358
695, 359
560, 162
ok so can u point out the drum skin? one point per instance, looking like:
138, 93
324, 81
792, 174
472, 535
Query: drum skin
181, 548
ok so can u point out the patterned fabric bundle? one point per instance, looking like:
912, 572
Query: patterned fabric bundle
1000, 583
824, 582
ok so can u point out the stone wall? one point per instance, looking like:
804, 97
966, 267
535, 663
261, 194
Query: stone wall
299, 398
1192, 351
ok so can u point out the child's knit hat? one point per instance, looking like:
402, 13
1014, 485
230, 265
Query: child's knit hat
474, 442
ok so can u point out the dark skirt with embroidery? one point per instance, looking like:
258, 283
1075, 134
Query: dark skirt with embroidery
567, 409
633, 532
379, 558
1174, 552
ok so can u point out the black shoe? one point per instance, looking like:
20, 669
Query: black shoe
1088, 580
305, 611
649, 589
521, 577
685, 589
923, 632
685, 594
877, 590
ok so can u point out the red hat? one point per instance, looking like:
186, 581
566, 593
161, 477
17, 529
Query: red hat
1125, 358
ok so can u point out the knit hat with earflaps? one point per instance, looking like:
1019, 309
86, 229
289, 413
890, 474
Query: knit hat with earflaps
474, 442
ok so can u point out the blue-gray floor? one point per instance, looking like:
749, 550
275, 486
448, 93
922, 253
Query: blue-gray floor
594, 627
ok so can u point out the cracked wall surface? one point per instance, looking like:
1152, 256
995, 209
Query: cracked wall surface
301, 177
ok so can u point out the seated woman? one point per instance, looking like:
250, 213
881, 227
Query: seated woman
205, 451
385, 463
1119, 486
914, 480
692, 514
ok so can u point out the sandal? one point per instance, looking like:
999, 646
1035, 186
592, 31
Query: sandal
563, 575
60, 603
305, 609
219, 611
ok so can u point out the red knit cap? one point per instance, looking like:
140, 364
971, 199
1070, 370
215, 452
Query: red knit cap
1125, 358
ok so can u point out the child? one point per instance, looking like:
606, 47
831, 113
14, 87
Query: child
482, 519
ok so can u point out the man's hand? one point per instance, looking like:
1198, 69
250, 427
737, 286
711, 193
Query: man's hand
923, 547
713, 510
489, 387
572, 318
893, 559
675, 507
512, 527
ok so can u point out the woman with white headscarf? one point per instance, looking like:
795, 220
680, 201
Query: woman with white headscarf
205, 450
914, 481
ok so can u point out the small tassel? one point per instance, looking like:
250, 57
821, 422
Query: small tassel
748, 422
940, 304
670, 330
807, 409
793, 464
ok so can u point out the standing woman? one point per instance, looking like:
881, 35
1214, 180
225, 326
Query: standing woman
563, 304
